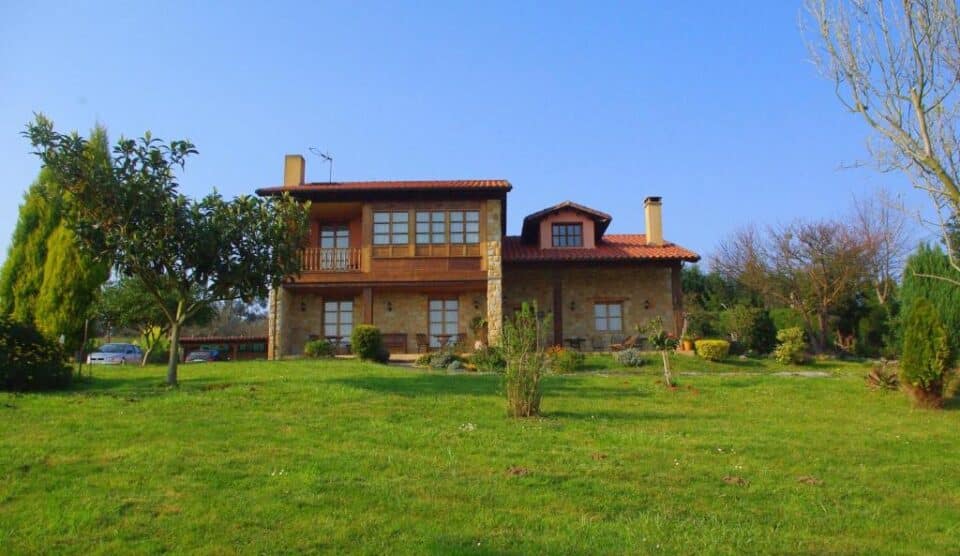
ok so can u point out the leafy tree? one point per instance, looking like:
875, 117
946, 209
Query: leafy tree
930, 260
129, 211
127, 303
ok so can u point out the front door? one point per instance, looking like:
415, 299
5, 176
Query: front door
444, 318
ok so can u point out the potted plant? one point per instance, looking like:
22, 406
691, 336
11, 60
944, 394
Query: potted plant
686, 342
478, 325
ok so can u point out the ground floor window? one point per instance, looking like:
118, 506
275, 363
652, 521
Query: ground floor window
444, 318
338, 319
608, 317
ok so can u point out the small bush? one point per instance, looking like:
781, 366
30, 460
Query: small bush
750, 328
366, 342
423, 360
489, 359
522, 340
442, 359
456, 366
630, 357
926, 353
792, 348
713, 350
29, 360
318, 348
563, 360
883, 377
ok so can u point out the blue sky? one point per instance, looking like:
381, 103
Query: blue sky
713, 106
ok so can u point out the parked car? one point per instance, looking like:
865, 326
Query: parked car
116, 354
205, 356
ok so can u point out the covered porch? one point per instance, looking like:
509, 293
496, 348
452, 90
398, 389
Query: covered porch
413, 318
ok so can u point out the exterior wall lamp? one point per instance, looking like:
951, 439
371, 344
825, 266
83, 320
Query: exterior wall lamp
303, 306
389, 306
646, 303
573, 305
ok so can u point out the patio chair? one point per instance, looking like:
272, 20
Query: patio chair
619, 343
596, 343
423, 343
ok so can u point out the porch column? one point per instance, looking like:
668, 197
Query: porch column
277, 307
367, 302
494, 272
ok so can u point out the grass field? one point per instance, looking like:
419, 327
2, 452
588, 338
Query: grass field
296, 456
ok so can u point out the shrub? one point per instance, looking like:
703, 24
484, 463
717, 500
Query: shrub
455, 366
30, 361
882, 377
526, 361
785, 317
792, 348
366, 342
713, 350
751, 328
318, 348
489, 359
630, 357
563, 360
702, 324
926, 353
423, 360
442, 359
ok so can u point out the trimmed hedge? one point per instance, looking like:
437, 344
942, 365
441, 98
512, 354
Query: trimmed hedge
29, 360
712, 350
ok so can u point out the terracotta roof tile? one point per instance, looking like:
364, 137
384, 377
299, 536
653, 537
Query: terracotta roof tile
409, 185
612, 247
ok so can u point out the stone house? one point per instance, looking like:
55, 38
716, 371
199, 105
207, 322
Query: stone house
429, 263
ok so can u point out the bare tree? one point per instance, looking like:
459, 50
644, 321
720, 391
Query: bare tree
897, 65
811, 267
881, 223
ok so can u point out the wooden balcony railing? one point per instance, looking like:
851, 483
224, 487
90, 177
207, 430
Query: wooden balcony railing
318, 259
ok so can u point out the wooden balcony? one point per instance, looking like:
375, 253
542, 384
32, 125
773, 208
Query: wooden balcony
317, 259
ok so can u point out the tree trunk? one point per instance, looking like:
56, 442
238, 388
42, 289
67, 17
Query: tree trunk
667, 377
174, 354
822, 333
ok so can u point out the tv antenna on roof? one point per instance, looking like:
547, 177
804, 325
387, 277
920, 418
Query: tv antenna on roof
326, 158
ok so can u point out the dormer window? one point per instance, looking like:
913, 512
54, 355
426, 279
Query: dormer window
568, 235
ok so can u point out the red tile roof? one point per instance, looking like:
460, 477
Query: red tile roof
409, 185
612, 247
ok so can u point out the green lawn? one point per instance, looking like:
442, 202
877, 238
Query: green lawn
343, 456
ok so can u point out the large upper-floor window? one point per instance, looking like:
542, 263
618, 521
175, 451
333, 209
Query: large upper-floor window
455, 226
391, 228
464, 226
568, 235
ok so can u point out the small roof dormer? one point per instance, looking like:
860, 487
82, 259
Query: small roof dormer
537, 226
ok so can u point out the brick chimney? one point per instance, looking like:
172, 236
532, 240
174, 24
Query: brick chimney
653, 215
293, 169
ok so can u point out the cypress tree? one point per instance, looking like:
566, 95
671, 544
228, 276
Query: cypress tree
48, 280
22, 274
943, 295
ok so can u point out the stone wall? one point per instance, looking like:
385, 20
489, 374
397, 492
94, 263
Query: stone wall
302, 316
645, 291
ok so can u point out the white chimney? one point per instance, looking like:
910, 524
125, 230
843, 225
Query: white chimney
653, 215
293, 170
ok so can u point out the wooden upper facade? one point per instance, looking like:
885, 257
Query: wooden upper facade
393, 232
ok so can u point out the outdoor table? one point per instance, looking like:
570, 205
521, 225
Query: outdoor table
576, 343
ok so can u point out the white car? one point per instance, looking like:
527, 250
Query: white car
116, 354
